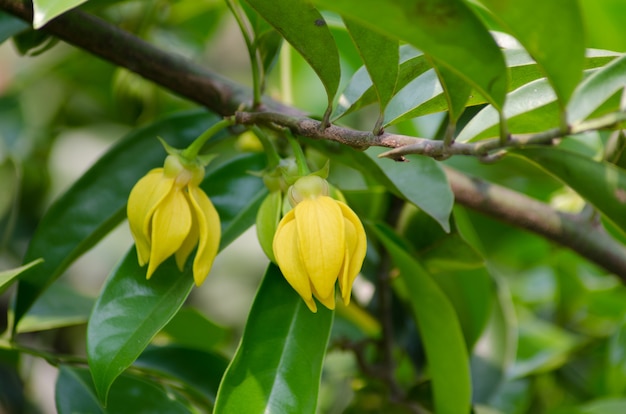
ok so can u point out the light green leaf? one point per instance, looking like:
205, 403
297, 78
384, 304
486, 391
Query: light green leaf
306, 30
9, 276
278, 364
560, 52
381, 57
46, 10
439, 329
75, 393
597, 89
600, 183
615, 370
604, 406
447, 30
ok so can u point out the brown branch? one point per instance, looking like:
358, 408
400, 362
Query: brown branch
225, 97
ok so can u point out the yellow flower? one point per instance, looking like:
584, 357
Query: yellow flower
319, 241
169, 214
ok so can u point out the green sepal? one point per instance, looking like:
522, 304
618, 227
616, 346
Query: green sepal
267, 220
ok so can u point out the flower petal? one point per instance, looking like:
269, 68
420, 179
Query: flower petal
286, 251
321, 241
170, 226
191, 241
142, 201
356, 247
329, 301
209, 233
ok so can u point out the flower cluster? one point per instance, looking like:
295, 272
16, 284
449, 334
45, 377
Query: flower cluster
169, 214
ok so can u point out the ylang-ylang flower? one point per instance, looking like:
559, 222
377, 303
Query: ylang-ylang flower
319, 242
169, 214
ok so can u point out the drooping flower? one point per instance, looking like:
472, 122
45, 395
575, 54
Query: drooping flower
169, 214
318, 242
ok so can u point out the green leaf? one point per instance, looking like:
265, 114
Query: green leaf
421, 181
360, 91
439, 329
9, 276
95, 204
597, 89
59, 306
192, 329
46, 10
447, 30
75, 393
129, 313
381, 57
535, 96
560, 52
456, 90
600, 183
306, 30
605, 406
278, 364
10, 26
199, 371
615, 369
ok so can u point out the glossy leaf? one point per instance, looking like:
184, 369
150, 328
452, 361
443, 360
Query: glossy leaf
560, 52
447, 30
439, 329
278, 364
7, 277
596, 89
381, 57
421, 181
75, 393
360, 91
46, 10
306, 30
456, 90
95, 204
534, 96
199, 371
129, 312
600, 183
10, 25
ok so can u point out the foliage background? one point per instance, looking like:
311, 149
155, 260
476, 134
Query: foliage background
551, 323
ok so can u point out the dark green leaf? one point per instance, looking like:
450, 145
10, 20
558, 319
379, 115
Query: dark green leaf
447, 30
199, 371
278, 364
381, 57
75, 393
306, 30
60, 305
420, 181
95, 204
192, 329
129, 313
439, 329
456, 90
596, 89
10, 25
560, 52
600, 183
46, 10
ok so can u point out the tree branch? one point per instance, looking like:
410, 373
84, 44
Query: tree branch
225, 97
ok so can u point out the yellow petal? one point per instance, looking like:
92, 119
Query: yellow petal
329, 301
210, 232
287, 256
321, 240
170, 226
356, 246
191, 240
142, 201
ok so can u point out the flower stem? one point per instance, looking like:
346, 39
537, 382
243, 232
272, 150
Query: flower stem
303, 168
192, 151
273, 159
